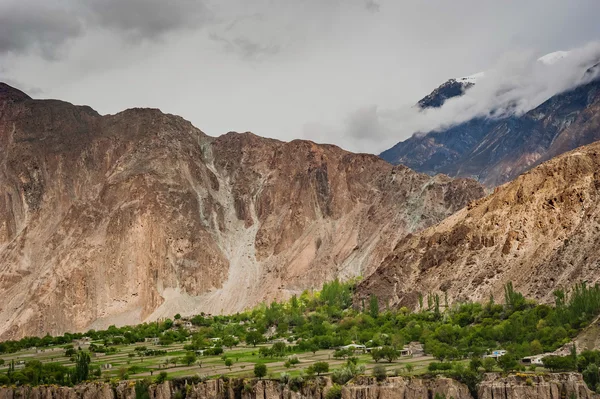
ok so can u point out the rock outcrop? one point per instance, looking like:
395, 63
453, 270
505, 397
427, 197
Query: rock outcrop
525, 386
551, 386
123, 218
539, 232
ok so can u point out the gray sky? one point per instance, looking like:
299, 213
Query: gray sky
339, 71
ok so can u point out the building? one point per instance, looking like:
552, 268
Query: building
355, 348
152, 340
496, 354
415, 348
535, 359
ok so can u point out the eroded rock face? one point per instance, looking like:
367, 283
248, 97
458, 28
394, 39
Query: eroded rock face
567, 385
124, 218
550, 386
539, 232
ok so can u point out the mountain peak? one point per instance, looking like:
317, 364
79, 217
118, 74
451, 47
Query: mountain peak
9, 92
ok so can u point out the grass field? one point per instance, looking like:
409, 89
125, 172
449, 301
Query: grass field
243, 357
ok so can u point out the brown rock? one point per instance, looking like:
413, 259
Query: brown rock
539, 232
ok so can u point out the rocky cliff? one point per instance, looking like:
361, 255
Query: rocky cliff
551, 386
123, 218
539, 231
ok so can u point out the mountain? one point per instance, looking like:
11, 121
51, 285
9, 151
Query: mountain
540, 232
123, 218
450, 89
495, 151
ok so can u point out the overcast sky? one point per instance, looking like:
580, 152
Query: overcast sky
319, 69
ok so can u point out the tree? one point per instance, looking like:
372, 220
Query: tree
82, 367
409, 367
228, 363
390, 353
591, 376
373, 306
536, 347
229, 341
177, 316
189, 358
320, 367
559, 363
254, 338
379, 372
377, 354
475, 363
260, 370
507, 362
488, 364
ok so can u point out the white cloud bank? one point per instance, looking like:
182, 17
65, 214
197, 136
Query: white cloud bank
518, 83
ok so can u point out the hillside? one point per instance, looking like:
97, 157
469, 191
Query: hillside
123, 218
539, 231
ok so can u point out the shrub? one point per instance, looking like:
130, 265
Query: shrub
379, 372
161, 377
335, 392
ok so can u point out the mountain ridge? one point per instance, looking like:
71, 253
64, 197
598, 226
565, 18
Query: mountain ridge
124, 218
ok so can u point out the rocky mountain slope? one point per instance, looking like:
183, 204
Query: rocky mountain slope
539, 231
495, 151
123, 218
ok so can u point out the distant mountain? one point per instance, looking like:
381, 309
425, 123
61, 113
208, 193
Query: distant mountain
540, 232
123, 218
495, 151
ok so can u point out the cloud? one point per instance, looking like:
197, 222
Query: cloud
46, 26
147, 18
244, 47
518, 83
372, 5
39, 26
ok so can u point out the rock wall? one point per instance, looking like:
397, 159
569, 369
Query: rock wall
523, 386
494, 386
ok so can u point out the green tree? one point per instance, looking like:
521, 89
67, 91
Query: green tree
82, 367
254, 338
373, 306
488, 364
507, 362
260, 370
189, 358
536, 347
228, 363
591, 376
320, 367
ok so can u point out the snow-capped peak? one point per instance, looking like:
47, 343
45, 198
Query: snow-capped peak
552, 58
